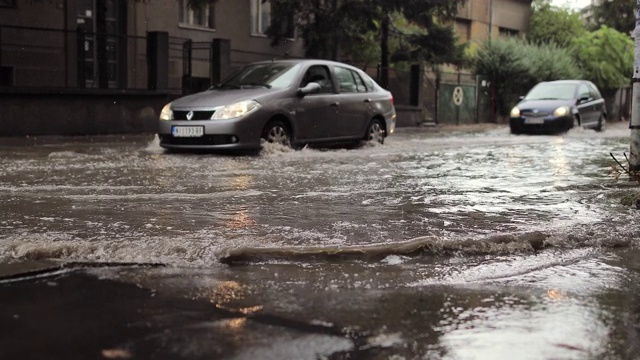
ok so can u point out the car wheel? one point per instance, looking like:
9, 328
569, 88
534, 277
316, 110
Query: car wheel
375, 132
515, 130
601, 123
576, 123
277, 132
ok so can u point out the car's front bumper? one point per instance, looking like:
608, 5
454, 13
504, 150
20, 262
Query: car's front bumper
232, 134
547, 124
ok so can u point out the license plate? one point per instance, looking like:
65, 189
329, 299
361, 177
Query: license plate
537, 120
187, 131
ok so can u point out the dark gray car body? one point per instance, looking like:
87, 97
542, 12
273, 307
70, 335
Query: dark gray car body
311, 118
586, 108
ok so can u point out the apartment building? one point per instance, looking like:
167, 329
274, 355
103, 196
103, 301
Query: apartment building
480, 20
457, 96
116, 62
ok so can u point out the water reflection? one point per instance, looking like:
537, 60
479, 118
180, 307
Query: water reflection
526, 328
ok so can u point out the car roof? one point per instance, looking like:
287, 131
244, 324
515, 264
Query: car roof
305, 61
573, 82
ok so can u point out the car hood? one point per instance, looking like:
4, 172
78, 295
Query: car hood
214, 98
544, 105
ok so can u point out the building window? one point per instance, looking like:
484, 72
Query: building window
202, 16
261, 20
507, 33
7, 3
260, 17
463, 29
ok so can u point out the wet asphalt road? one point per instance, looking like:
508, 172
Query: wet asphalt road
458, 243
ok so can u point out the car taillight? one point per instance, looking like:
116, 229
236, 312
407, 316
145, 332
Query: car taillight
391, 98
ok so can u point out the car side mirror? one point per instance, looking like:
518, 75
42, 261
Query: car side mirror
521, 97
583, 99
310, 88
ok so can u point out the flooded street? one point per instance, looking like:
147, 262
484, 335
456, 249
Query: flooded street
444, 243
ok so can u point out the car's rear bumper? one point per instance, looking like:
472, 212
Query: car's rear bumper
390, 120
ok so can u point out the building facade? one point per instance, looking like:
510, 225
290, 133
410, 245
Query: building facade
479, 20
116, 62
457, 96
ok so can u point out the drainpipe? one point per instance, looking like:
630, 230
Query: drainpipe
490, 20
65, 18
634, 125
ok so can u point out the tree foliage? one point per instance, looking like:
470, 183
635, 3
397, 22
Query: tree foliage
605, 57
513, 66
552, 24
616, 14
559, 47
343, 28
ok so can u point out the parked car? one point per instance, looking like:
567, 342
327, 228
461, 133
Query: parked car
291, 102
558, 106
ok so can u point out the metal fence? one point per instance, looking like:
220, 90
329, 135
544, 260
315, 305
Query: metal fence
35, 57
40, 57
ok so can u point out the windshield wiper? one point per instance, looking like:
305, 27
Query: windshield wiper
256, 84
231, 86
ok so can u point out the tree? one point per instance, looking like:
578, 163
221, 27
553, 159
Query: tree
328, 27
616, 14
552, 24
606, 58
513, 66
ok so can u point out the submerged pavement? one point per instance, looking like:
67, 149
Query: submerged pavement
460, 243
327, 310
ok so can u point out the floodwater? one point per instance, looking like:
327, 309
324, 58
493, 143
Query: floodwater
124, 199
463, 242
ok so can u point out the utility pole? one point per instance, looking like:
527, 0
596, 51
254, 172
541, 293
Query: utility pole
634, 124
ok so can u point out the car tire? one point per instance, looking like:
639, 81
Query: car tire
515, 130
375, 132
601, 123
277, 132
576, 123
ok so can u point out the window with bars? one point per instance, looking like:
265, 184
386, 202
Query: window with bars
202, 16
8, 3
261, 19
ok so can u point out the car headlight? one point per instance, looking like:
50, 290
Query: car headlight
166, 113
236, 110
561, 111
515, 112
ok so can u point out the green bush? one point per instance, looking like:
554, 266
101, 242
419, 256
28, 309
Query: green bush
513, 66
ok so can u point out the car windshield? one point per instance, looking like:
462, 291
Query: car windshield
550, 91
269, 75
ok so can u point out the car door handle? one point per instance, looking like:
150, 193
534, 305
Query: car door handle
336, 104
367, 100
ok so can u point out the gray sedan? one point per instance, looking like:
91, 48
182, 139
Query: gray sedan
291, 102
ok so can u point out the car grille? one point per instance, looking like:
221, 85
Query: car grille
533, 113
204, 140
197, 115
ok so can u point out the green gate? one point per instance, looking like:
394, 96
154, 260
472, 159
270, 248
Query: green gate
457, 99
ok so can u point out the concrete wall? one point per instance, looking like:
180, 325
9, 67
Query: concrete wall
479, 20
407, 116
30, 113
233, 22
